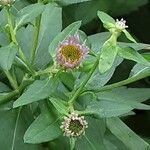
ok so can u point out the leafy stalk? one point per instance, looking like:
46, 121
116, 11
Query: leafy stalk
77, 93
14, 40
12, 80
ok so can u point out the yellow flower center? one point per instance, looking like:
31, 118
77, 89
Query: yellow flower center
71, 53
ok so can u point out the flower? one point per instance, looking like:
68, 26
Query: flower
71, 52
121, 25
6, 2
74, 125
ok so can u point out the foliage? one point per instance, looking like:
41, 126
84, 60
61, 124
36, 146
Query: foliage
36, 92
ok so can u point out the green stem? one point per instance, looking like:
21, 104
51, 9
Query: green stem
122, 83
35, 37
12, 80
6, 97
77, 93
14, 40
9, 19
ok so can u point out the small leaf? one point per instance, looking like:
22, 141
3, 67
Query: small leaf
126, 135
44, 128
107, 58
105, 18
28, 14
59, 105
7, 55
39, 90
70, 30
131, 54
128, 35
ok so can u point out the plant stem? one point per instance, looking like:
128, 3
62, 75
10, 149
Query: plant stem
77, 93
6, 97
12, 81
14, 40
35, 37
121, 83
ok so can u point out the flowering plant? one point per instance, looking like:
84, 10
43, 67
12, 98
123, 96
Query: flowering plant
56, 88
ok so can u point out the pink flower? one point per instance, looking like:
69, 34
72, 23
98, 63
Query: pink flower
71, 52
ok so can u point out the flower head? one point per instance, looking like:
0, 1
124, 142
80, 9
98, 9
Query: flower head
121, 25
71, 52
74, 125
6, 2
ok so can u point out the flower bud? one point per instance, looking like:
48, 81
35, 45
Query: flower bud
74, 125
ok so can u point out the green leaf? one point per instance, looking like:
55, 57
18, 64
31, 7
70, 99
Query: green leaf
45, 128
25, 39
104, 109
119, 101
70, 30
93, 138
123, 93
128, 35
107, 58
50, 26
126, 135
59, 105
39, 90
7, 55
68, 2
13, 126
105, 18
28, 14
139, 69
98, 80
131, 54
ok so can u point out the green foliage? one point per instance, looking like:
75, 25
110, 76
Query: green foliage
42, 101
39, 90
7, 55
44, 128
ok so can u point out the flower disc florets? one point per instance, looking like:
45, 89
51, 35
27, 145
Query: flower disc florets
74, 125
71, 52
6, 2
121, 25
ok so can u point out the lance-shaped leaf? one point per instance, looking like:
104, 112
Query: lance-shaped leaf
131, 54
28, 14
118, 102
105, 18
70, 30
39, 90
107, 58
59, 105
7, 55
44, 128
126, 135
129, 36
